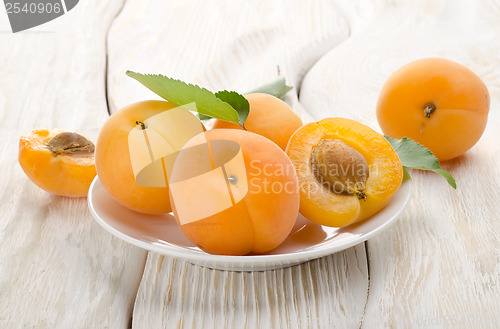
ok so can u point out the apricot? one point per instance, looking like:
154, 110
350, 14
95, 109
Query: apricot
347, 172
270, 117
115, 160
439, 103
234, 192
58, 161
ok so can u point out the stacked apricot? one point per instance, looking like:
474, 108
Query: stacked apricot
269, 117
222, 208
241, 207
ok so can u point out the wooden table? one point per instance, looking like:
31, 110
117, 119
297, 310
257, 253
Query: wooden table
437, 267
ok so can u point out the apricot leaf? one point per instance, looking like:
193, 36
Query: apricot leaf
204, 117
181, 93
277, 88
237, 101
415, 156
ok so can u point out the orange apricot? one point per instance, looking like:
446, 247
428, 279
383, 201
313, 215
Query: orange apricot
439, 103
270, 117
234, 192
58, 161
347, 172
114, 158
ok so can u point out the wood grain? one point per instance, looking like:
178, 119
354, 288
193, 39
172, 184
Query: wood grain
437, 267
58, 268
322, 293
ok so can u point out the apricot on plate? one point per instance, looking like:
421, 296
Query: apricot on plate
117, 164
234, 192
347, 172
439, 103
58, 161
270, 117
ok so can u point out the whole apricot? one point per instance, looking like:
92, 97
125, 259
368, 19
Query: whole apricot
347, 172
58, 161
234, 192
270, 117
120, 168
439, 103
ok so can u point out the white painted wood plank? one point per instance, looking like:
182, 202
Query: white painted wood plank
439, 266
58, 268
235, 45
327, 292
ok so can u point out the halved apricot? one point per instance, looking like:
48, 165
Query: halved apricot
347, 172
58, 161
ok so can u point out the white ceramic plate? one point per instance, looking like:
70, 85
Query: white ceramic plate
307, 241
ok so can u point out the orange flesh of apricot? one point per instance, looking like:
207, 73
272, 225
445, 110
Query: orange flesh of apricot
65, 175
319, 204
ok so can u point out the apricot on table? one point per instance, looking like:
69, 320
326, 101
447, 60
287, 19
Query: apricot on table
58, 161
114, 159
234, 192
347, 172
270, 117
439, 103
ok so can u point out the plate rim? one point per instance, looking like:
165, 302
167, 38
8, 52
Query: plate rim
242, 262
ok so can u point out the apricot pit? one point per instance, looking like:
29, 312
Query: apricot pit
339, 167
70, 143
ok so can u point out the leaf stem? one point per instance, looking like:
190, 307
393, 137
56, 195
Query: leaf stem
243, 126
429, 109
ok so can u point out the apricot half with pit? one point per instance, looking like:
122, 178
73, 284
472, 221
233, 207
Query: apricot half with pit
58, 161
347, 172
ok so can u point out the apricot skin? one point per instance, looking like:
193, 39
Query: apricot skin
460, 98
113, 162
65, 175
319, 204
264, 217
269, 117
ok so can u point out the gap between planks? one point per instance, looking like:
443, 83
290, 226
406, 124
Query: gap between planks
106, 64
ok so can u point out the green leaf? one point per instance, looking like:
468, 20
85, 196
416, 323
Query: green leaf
277, 88
237, 101
414, 156
204, 117
181, 93
448, 177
